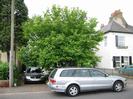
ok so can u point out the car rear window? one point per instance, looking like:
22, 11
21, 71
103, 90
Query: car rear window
53, 73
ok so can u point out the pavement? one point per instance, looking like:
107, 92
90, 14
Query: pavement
36, 88
25, 88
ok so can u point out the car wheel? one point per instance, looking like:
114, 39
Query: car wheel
118, 86
72, 90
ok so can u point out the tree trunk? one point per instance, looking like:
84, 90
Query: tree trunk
8, 56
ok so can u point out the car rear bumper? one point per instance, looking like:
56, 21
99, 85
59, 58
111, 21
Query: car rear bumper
56, 88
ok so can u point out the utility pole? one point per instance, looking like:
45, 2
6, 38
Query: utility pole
11, 62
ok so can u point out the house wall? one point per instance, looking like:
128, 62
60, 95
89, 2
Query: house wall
107, 52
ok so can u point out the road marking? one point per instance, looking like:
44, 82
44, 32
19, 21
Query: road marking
22, 93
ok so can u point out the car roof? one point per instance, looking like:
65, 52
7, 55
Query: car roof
75, 68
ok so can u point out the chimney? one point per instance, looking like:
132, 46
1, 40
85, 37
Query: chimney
117, 16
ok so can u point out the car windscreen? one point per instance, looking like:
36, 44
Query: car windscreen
34, 70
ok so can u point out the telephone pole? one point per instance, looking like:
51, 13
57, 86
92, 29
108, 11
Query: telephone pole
11, 62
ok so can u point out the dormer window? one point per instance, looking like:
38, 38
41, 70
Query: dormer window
120, 41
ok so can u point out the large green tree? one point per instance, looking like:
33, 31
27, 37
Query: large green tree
61, 37
21, 15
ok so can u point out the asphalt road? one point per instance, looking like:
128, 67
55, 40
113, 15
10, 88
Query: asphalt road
101, 94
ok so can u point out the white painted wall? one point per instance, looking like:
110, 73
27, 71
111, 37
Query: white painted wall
107, 52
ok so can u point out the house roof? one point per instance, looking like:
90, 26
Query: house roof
117, 24
115, 27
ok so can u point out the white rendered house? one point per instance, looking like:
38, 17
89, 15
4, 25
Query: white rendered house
116, 49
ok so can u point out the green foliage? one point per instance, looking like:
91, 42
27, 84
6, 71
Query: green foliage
3, 71
62, 37
17, 75
21, 15
29, 56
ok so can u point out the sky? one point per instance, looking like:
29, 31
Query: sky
100, 9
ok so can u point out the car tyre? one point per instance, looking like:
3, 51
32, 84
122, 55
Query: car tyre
72, 90
118, 86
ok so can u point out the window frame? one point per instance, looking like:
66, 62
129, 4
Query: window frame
123, 60
120, 41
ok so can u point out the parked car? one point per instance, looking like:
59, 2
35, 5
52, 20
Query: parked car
72, 81
35, 74
127, 69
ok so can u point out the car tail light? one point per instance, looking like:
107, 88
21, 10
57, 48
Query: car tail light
52, 81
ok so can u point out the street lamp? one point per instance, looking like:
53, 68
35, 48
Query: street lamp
11, 62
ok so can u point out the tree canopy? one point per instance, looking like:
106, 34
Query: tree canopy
61, 37
21, 15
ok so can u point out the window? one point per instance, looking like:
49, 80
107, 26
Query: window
53, 73
34, 70
67, 73
117, 61
120, 61
75, 73
126, 60
120, 41
96, 73
81, 73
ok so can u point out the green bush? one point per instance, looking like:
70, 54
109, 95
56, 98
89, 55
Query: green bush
17, 75
3, 71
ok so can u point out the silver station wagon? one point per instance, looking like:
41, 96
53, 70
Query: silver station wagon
72, 81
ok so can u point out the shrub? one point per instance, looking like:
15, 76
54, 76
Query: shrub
17, 75
4, 71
